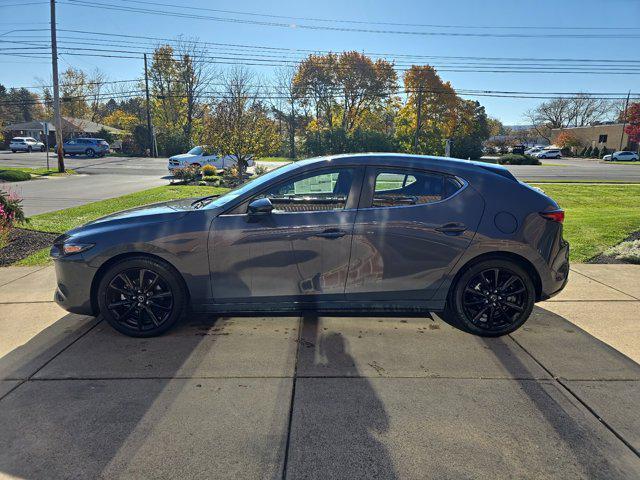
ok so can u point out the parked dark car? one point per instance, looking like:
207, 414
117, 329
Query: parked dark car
369, 233
90, 147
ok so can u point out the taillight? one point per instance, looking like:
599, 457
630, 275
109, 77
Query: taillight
554, 215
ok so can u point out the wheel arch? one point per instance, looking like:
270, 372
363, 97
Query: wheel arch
509, 256
128, 256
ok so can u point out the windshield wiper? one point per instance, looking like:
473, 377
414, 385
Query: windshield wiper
201, 202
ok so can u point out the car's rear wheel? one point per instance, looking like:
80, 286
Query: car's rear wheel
13, 151
42, 149
141, 297
90, 152
492, 298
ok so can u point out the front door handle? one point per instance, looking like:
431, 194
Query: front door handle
452, 228
331, 233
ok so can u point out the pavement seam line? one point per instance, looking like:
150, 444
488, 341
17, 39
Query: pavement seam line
582, 402
49, 361
601, 283
22, 303
25, 275
293, 397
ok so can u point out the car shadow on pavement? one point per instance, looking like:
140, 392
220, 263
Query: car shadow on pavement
337, 420
557, 345
97, 404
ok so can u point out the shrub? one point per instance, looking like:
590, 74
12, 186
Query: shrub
583, 152
213, 180
10, 213
596, 152
14, 175
512, 159
186, 174
260, 170
589, 152
209, 170
604, 152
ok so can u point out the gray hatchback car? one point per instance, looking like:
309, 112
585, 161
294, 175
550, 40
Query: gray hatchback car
90, 147
368, 233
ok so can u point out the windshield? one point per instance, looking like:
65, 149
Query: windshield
195, 151
242, 189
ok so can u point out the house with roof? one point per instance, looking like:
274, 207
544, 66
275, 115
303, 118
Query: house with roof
71, 128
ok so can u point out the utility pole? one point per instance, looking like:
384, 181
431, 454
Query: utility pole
56, 87
624, 119
292, 131
146, 87
418, 121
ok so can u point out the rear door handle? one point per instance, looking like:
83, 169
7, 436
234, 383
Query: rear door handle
331, 233
452, 228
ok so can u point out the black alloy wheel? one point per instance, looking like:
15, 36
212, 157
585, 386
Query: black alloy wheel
141, 297
90, 152
493, 298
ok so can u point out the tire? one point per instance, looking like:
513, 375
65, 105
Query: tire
122, 303
42, 149
90, 152
13, 151
491, 314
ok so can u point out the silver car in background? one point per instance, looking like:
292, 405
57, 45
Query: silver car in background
26, 144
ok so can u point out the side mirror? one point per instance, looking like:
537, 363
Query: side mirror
261, 206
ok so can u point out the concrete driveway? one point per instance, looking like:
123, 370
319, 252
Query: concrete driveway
323, 397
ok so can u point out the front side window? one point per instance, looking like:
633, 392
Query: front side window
320, 191
402, 188
195, 151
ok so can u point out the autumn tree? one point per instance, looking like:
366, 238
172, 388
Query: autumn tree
286, 104
239, 124
633, 122
19, 105
566, 139
429, 114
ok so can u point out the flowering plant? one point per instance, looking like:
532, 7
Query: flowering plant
10, 213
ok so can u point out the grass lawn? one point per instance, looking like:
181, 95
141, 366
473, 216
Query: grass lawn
39, 172
598, 216
623, 162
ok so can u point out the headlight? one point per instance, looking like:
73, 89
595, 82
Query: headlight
69, 248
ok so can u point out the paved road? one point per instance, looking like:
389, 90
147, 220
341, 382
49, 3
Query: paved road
97, 179
322, 397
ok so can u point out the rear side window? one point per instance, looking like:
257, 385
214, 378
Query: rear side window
396, 188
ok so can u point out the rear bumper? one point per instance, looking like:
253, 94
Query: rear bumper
73, 285
558, 273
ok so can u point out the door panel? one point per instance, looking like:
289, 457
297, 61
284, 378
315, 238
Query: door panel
404, 252
298, 251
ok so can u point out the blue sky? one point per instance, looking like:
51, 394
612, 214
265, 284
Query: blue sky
546, 14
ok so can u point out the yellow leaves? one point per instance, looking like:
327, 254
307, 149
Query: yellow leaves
122, 120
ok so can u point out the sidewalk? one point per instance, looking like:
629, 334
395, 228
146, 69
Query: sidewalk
323, 397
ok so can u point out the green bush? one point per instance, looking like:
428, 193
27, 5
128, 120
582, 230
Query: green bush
589, 152
596, 152
10, 210
583, 152
187, 174
209, 170
604, 152
14, 175
213, 180
513, 159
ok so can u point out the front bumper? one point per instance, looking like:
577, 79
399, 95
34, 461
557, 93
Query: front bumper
74, 279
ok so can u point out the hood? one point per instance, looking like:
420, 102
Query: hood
183, 156
155, 213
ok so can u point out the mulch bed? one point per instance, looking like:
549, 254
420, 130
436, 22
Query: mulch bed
23, 243
602, 258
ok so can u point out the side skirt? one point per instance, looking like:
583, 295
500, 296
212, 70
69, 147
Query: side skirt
406, 308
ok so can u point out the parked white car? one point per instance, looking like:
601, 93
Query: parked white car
26, 144
533, 150
622, 156
549, 153
201, 156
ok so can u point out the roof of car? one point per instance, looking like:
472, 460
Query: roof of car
449, 165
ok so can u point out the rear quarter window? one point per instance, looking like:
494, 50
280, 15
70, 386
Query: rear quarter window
395, 188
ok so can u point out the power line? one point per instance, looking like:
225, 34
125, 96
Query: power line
116, 7
369, 22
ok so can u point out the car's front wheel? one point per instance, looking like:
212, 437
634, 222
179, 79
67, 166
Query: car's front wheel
492, 298
141, 297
